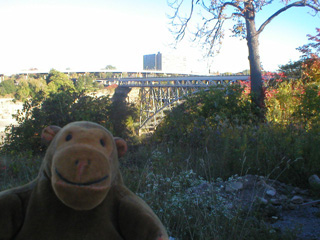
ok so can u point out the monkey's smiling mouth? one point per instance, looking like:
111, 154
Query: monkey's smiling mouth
80, 184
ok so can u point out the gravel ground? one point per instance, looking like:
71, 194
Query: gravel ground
305, 218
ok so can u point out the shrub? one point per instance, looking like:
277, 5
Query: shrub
86, 83
292, 70
282, 101
308, 112
296, 102
59, 109
207, 110
7, 87
222, 141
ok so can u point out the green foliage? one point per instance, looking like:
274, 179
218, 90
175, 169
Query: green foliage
297, 102
121, 113
86, 83
219, 135
60, 109
282, 101
227, 102
313, 47
56, 76
23, 91
18, 169
308, 111
110, 67
58, 81
25, 88
292, 70
7, 87
311, 69
36, 85
22, 88
208, 110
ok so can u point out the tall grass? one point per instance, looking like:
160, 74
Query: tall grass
18, 170
227, 140
180, 197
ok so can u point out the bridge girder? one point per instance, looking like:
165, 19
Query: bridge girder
160, 94
154, 101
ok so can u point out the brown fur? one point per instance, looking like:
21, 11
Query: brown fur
79, 193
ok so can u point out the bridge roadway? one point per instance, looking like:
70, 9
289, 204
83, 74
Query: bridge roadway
160, 94
194, 82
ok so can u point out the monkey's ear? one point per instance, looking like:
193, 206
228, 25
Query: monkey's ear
122, 146
48, 134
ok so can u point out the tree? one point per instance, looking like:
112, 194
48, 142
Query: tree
7, 87
311, 62
58, 81
242, 12
110, 67
312, 48
59, 109
23, 91
292, 70
85, 83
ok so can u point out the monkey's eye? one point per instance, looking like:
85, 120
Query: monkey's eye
102, 142
68, 137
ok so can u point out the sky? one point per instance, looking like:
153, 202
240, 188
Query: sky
91, 34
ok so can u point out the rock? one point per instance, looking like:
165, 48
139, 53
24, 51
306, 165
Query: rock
271, 192
292, 206
314, 182
201, 189
275, 201
262, 183
304, 192
270, 196
262, 200
283, 198
249, 181
234, 186
297, 190
296, 200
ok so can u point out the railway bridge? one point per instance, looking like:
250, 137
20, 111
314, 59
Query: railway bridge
160, 94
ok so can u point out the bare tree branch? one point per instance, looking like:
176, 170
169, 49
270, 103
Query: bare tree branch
210, 33
295, 4
180, 33
236, 5
223, 6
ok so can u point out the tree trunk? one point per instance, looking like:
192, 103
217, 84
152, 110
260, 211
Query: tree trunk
254, 60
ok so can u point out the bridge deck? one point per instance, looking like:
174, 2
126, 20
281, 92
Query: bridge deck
165, 82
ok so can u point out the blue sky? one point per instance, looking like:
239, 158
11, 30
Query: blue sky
90, 34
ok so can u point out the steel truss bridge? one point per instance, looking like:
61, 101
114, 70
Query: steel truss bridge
158, 95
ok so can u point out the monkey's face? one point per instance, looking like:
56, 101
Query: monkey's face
82, 166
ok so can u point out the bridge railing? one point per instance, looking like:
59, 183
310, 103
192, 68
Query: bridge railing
203, 81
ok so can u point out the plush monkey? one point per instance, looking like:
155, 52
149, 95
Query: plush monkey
79, 193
